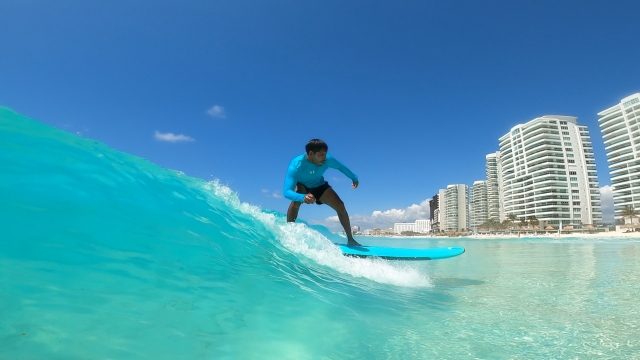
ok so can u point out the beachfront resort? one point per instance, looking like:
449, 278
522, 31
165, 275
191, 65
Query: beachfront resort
543, 178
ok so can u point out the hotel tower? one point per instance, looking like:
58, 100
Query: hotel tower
493, 186
478, 206
620, 127
456, 210
548, 171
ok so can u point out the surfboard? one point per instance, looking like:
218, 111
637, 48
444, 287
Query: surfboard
401, 253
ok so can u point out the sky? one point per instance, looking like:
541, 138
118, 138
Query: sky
410, 95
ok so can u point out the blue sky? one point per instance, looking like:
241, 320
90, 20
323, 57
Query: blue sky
411, 95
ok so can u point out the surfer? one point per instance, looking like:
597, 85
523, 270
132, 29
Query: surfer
304, 183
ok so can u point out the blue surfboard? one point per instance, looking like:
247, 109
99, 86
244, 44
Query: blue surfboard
401, 253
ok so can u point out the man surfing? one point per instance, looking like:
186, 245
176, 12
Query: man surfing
304, 183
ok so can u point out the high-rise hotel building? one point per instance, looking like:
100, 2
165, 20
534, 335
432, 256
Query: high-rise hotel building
620, 127
548, 171
449, 209
456, 210
493, 187
437, 207
478, 205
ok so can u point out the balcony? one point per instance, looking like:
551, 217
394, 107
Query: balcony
624, 131
610, 120
612, 142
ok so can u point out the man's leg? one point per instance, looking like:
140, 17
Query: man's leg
332, 199
294, 207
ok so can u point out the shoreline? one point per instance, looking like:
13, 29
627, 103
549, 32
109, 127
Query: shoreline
608, 234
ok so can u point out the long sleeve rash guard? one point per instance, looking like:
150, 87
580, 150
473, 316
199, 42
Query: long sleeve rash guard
310, 175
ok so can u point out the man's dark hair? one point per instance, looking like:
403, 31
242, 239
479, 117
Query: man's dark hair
316, 145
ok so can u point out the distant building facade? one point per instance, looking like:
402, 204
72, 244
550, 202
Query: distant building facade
478, 205
620, 129
493, 187
456, 210
419, 226
423, 226
398, 228
437, 207
433, 206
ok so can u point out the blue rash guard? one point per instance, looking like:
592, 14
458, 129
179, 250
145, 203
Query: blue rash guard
310, 175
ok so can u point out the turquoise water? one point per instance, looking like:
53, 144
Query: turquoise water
106, 255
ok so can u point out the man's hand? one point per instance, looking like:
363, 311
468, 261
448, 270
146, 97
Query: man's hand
355, 184
309, 199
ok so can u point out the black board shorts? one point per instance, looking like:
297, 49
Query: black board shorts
316, 191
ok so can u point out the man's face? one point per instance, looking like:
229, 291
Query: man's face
317, 158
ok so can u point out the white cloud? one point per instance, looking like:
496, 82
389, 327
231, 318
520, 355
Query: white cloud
267, 193
217, 111
170, 137
606, 198
384, 219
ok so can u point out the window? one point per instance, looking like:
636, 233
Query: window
573, 179
563, 123
567, 144
631, 102
576, 203
569, 149
566, 138
575, 197
565, 133
564, 128
576, 216
574, 185
571, 161
573, 173
570, 155
575, 191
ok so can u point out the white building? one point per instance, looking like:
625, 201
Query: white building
493, 186
620, 127
548, 171
419, 226
423, 226
478, 205
456, 211
437, 207
398, 228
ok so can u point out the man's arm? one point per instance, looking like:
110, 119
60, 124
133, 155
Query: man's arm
289, 190
334, 163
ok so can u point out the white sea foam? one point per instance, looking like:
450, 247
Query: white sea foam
303, 240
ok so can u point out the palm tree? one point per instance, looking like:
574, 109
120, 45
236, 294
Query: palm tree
511, 220
533, 220
486, 225
494, 225
630, 213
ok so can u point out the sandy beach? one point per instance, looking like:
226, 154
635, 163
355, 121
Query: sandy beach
608, 234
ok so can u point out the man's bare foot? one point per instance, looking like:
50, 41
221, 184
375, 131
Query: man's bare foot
352, 242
